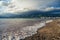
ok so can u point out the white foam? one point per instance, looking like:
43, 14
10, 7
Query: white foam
30, 30
48, 21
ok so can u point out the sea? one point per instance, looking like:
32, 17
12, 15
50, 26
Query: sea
19, 26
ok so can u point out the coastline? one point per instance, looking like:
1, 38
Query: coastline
49, 32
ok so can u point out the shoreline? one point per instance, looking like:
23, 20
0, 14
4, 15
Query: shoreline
49, 32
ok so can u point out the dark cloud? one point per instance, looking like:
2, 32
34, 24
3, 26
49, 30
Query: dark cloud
55, 4
55, 12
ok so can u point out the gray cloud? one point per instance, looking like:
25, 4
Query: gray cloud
18, 5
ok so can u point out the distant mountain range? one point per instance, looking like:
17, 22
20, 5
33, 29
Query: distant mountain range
33, 14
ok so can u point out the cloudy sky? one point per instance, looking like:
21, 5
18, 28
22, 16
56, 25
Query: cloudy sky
12, 6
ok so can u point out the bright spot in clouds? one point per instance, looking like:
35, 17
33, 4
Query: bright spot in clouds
12, 6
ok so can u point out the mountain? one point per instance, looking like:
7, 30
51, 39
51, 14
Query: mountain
33, 14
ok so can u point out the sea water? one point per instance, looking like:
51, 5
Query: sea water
19, 28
